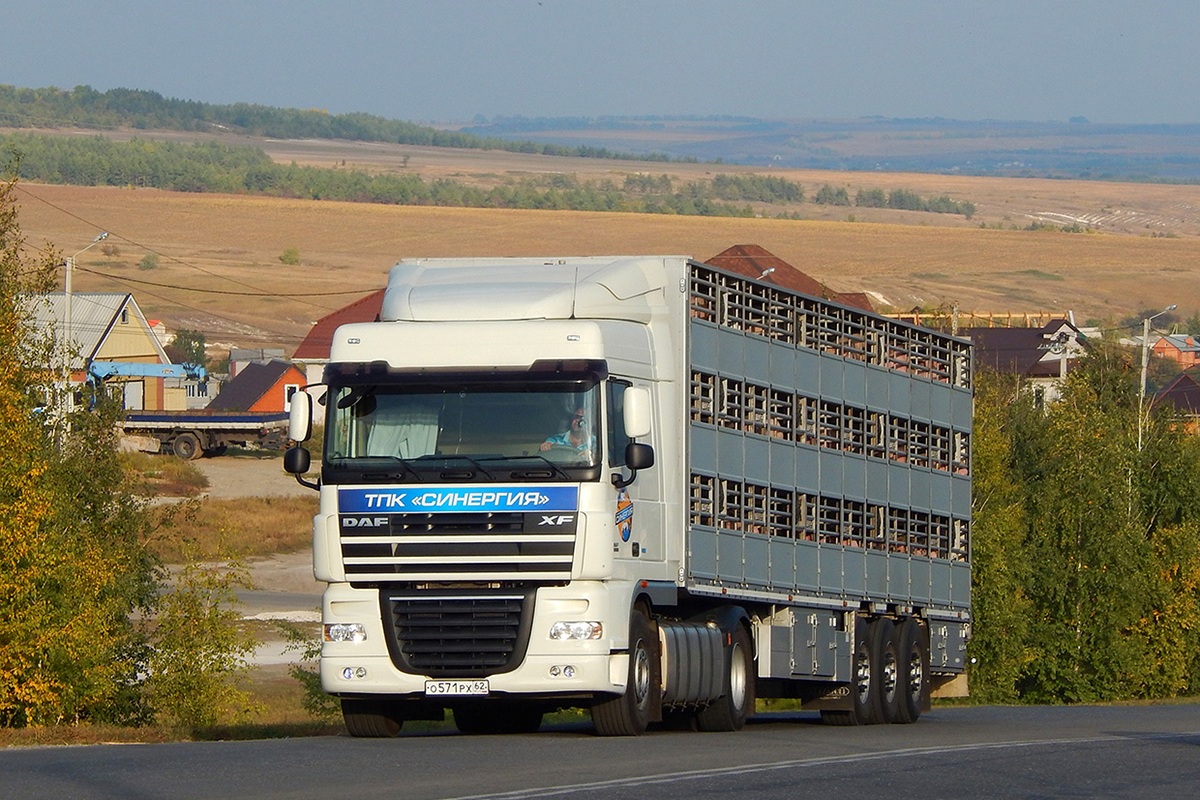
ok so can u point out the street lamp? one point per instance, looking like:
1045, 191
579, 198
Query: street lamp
1145, 358
68, 345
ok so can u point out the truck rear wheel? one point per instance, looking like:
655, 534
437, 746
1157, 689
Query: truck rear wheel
629, 714
186, 446
730, 711
372, 718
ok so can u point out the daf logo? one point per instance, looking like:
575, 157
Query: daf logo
364, 522
557, 519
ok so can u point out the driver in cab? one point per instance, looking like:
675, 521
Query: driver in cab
577, 437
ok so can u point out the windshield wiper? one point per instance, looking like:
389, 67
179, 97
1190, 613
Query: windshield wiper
377, 468
449, 473
542, 469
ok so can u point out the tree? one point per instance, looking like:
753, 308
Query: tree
85, 616
1002, 607
188, 347
1096, 542
831, 196
72, 565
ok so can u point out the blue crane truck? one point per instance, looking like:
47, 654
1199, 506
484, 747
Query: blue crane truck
192, 433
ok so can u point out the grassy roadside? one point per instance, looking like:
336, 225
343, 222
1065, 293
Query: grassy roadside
217, 530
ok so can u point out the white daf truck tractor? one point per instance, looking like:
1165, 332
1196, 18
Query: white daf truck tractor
638, 485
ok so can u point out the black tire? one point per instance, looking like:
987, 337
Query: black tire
838, 717
730, 711
186, 446
628, 714
887, 664
371, 718
497, 719
864, 679
914, 670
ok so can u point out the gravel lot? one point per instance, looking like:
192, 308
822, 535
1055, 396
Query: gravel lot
284, 587
244, 476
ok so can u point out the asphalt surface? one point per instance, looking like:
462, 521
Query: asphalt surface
985, 752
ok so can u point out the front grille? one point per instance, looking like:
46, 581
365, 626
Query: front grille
460, 635
407, 549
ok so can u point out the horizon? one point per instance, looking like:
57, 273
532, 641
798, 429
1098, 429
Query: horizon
1110, 63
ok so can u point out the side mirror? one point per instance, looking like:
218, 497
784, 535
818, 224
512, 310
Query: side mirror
636, 409
300, 417
638, 455
296, 460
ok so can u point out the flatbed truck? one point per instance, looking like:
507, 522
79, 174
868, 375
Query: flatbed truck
191, 433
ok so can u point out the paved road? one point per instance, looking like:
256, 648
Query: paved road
1086, 752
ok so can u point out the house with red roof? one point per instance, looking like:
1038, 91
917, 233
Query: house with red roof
260, 387
760, 264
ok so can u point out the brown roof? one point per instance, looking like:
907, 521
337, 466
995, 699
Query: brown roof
1018, 351
758, 263
248, 386
318, 341
1183, 393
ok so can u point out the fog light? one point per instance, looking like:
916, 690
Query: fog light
345, 632
351, 673
564, 671
567, 631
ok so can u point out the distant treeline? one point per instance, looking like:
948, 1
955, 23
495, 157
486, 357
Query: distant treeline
216, 167
85, 107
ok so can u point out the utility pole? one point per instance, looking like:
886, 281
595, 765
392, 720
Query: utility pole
68, 343
1141, 422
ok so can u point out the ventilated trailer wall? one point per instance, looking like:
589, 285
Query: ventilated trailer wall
828, 453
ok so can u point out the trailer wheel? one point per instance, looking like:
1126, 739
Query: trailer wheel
730, 711
887, 662
864, 681
629, 714
914, 670
496, 719
186, 446
372, 718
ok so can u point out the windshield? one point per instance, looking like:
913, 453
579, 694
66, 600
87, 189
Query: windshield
464, 429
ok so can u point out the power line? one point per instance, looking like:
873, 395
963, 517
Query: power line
167, 256
255, 291
126, 279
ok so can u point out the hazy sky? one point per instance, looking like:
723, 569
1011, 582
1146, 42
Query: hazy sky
449, 60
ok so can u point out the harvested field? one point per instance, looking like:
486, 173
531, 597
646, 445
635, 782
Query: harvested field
219, 266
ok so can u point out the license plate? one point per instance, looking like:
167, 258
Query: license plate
456, 687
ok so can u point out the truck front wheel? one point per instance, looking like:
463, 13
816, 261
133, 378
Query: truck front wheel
372, 718
629, 714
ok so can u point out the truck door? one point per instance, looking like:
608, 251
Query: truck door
638, 508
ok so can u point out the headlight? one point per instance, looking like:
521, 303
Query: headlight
345, 632
567, 631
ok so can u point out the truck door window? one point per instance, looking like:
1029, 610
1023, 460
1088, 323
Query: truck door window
617, 438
